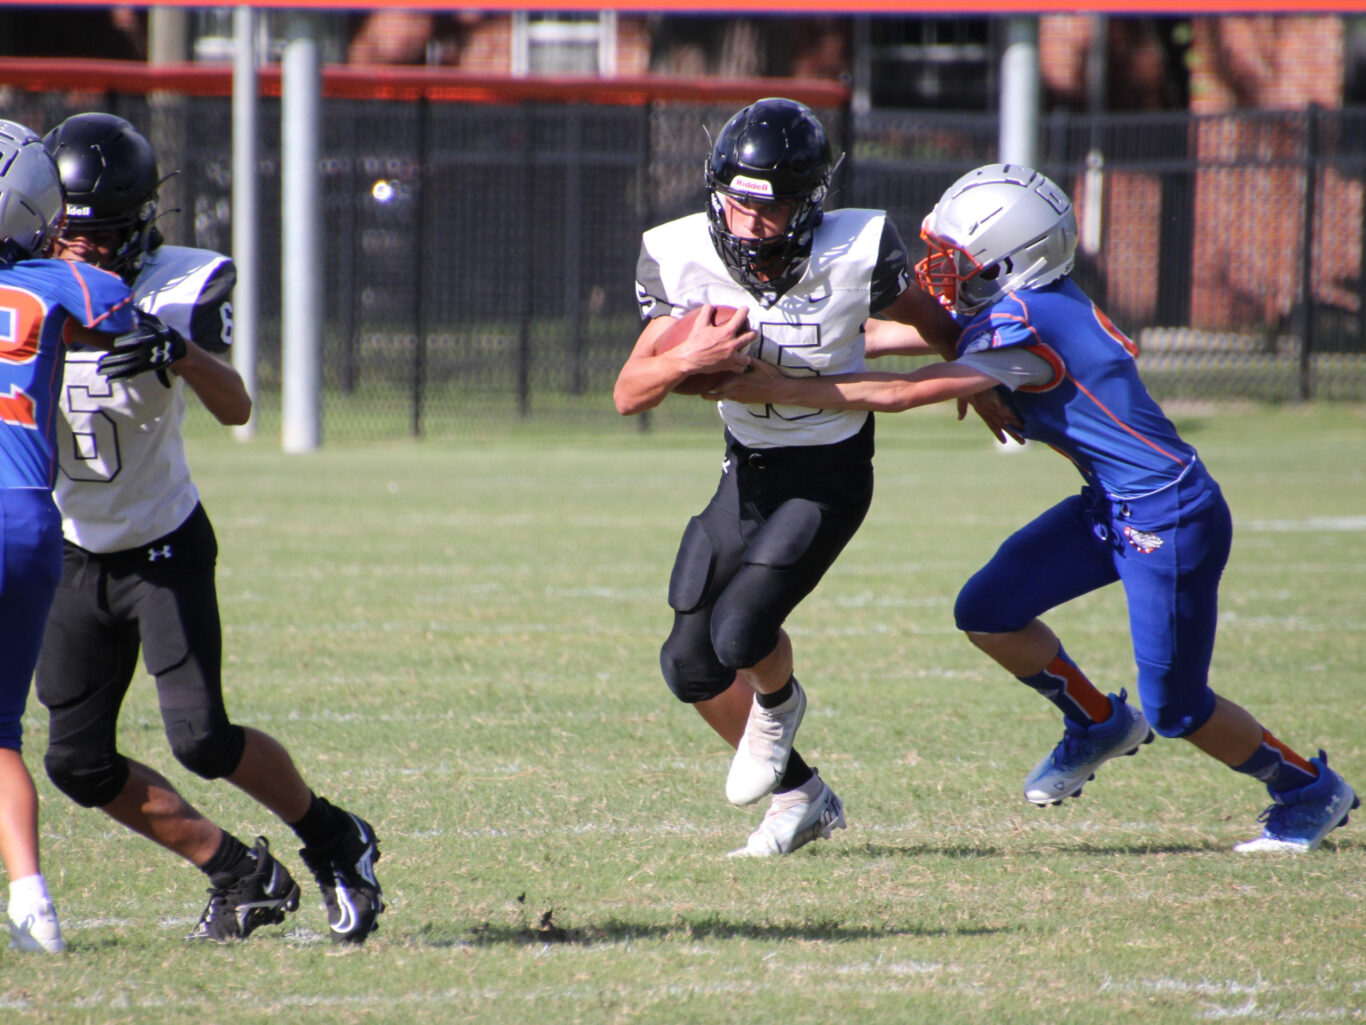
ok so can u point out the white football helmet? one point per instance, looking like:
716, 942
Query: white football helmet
997, 229
31, 200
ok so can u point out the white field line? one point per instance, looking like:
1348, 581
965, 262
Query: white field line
890, 979
1314, 524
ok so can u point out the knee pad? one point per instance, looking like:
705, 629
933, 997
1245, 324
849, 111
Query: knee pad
92, 782
212, 753
741, 640
982, 608
691, 674
1176, 717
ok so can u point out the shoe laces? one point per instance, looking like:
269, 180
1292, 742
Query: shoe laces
1071, 747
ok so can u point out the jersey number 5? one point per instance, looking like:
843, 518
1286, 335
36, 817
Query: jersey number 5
92, 451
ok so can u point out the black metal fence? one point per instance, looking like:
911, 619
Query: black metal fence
478, 259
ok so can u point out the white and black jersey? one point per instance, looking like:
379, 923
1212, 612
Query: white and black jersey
123, 477
857, 267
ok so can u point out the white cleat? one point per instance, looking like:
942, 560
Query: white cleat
761, 757
35, 927
811, 812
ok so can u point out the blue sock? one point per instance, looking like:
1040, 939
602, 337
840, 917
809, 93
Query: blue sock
1062, 683
1277, 766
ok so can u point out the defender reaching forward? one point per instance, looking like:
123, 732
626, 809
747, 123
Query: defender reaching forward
1001, 245
795, 483
139, 562
44, 305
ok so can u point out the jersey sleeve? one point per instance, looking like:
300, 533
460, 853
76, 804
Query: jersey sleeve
1014, 366
1002, 325
97, 299
650, 287
892, 274
211, 320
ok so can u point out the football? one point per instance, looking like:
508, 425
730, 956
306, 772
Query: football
695, 384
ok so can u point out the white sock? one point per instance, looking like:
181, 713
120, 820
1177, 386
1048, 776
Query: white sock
28, 890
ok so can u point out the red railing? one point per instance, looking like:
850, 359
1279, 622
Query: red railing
386, 82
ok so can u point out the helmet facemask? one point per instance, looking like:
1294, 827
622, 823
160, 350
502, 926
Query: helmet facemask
773, 151
944, 269
134, 235
767, 264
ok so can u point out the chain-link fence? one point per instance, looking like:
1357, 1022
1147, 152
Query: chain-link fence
478, 258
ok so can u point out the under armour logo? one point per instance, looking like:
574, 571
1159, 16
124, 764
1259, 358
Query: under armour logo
153, 554
161, 353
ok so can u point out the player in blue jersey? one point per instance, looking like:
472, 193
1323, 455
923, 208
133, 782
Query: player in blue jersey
1002, 242
795, 485
44, 305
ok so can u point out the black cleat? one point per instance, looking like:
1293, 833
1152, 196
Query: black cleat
345, 870
261, 897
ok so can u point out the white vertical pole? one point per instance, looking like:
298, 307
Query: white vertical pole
245, 215
1019, 137
1091, 229
301, 325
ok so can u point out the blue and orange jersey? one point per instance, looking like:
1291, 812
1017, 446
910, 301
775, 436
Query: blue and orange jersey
39, 300
1095, 410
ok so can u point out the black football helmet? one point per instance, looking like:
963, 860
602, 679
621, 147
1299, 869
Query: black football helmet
772, 151
111, 179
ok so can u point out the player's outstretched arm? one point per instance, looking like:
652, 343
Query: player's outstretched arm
937, 331
893, 338
878, 392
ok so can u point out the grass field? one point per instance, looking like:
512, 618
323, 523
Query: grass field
458, 639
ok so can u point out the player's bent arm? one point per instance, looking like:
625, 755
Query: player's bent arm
78, 334
936, 330
216, 383
647, 377
876, 392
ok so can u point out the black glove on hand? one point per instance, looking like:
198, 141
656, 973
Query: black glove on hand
150, 346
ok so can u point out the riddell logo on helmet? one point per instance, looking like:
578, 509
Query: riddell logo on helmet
77, 210
752, 186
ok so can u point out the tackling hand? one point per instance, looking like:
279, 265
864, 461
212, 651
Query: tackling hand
1000, 419
150, 346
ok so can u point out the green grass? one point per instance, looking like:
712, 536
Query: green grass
458, 639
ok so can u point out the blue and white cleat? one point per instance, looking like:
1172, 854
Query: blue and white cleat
1067, 768
1301, 818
